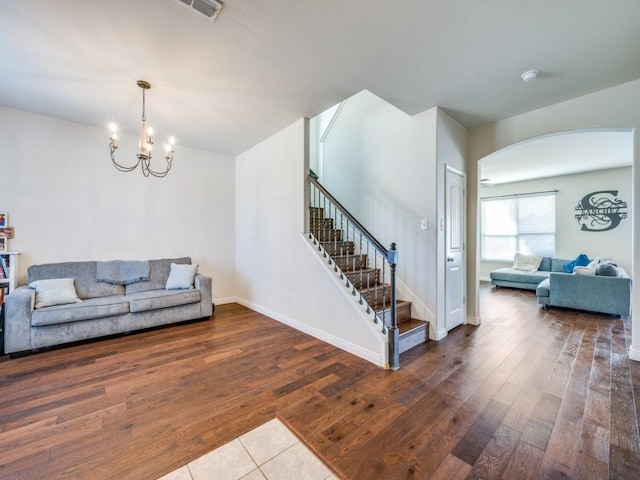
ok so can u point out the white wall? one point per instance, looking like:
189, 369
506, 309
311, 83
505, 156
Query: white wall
570, 239
67, 202
380, 163
276, 271
616, 107
387, 168
451, 152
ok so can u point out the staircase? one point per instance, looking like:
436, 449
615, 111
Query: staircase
364, 273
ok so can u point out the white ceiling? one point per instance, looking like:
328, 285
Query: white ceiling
227, 85
558, 154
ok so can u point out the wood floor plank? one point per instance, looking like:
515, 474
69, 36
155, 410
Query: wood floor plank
530, 393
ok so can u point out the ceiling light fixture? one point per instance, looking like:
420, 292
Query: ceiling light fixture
145, 144
529, 75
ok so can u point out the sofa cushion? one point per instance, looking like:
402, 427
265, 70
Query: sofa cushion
545, 264
54, 291
89, 309
84, 274
543, 288
557, 264
158, 275
511, 275
157, 299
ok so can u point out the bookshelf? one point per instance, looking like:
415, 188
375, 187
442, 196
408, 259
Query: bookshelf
12, 262
9, 262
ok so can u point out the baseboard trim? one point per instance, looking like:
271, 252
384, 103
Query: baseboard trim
473, 321
314, 332
634, 354
224, 300
440, 334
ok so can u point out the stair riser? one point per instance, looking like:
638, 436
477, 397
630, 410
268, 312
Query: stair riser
355, 262
403, 312
365, 280
318, 224
338, 249
327, 235
413, 338
378, 294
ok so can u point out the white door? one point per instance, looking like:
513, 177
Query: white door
454, 245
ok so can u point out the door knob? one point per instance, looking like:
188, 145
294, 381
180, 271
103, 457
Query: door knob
450, 259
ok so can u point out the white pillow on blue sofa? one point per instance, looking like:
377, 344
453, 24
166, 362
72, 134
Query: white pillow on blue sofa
54, 291
526, 263
589, 269
181, 276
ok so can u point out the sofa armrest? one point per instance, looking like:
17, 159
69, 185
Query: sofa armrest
17, 320
594, 293
203, 283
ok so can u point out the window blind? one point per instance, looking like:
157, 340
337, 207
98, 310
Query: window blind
518, 224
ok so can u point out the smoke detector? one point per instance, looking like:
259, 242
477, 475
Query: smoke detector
207, 8
529, 75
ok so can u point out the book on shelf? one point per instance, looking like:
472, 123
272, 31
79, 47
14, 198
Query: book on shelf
4, 267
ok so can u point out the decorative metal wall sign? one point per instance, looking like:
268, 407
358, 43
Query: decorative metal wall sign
601, 211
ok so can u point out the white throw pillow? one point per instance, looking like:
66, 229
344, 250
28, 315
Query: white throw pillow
589, 269
56, 291
181, 276
526, 263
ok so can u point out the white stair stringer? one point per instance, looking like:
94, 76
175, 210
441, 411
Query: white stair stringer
370, 319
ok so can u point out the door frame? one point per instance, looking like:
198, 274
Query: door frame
463, 261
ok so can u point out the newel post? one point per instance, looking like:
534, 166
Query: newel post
394, 342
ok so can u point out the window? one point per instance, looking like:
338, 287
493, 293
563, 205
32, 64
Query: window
518, 224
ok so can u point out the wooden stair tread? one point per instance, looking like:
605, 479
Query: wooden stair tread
399, 304
410, 325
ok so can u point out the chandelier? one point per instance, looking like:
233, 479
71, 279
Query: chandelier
145, 144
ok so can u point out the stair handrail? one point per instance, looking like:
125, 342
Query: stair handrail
391, 256
351, 218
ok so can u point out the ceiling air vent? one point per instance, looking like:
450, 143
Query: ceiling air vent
208, 8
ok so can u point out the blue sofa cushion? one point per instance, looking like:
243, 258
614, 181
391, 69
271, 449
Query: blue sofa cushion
511, 275
581, 261
545, 264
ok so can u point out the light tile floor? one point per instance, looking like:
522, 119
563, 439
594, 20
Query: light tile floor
270, 452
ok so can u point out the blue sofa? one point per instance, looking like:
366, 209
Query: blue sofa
596, 293
609, 291
510, 277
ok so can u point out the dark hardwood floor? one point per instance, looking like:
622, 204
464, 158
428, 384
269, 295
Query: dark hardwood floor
529, 394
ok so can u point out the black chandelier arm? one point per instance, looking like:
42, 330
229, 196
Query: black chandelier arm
122, 168
147, 170
145, 161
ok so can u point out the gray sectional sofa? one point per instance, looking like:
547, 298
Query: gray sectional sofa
609, 291
102, 308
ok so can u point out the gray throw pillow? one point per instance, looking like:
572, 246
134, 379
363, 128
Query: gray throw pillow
181, 276
608, 270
